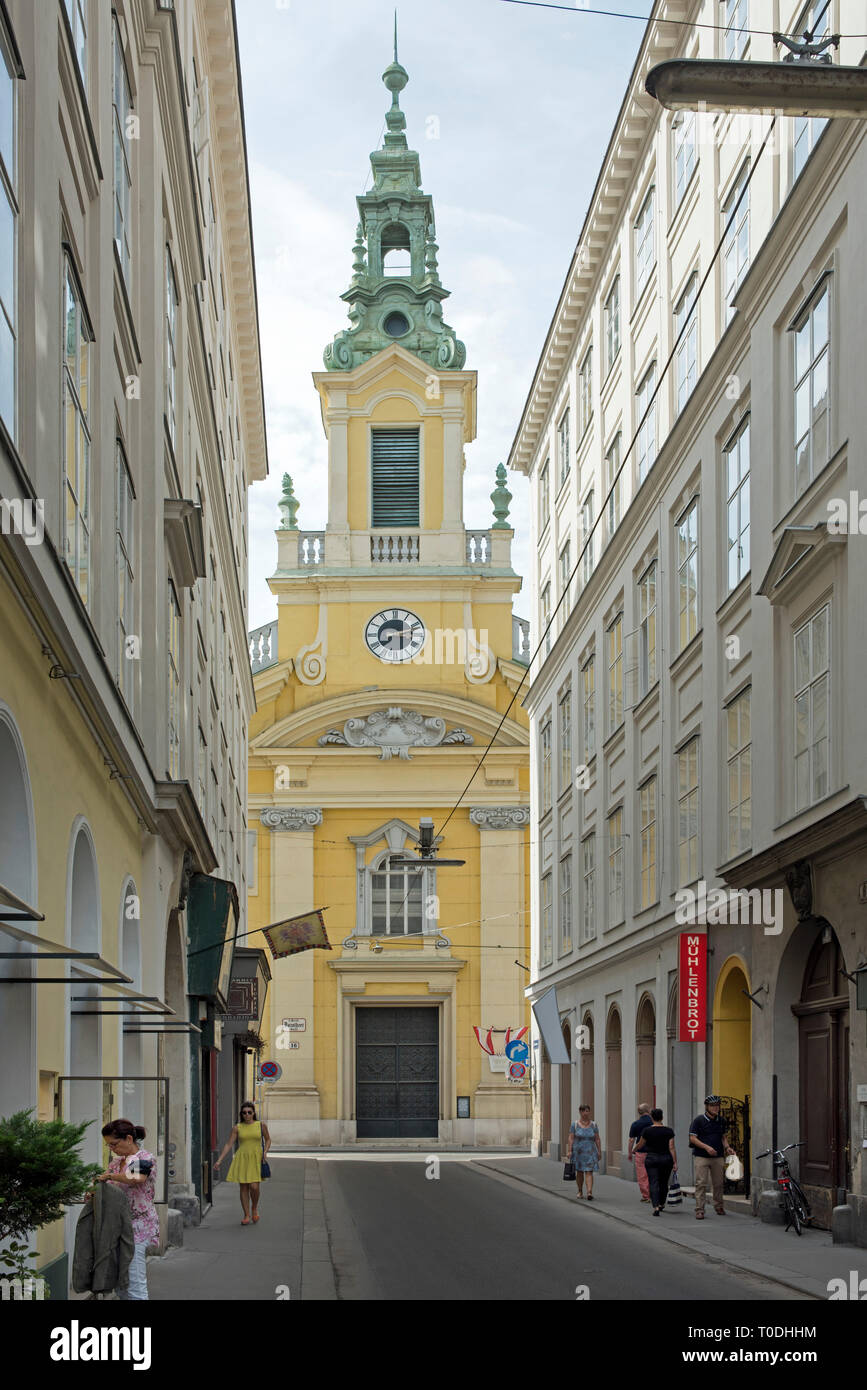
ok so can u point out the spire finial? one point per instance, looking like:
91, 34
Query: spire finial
289, 505
395, 35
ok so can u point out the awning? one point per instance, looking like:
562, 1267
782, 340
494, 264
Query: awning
83, 961
211, 935
548, 1018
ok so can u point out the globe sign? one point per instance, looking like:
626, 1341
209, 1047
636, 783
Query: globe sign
517, 1051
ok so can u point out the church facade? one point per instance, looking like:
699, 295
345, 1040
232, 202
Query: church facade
393, 663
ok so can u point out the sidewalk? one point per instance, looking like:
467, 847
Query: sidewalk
804, 1263
285, 1255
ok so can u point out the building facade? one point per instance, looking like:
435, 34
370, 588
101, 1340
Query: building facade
694, 706
390, 667
131, 425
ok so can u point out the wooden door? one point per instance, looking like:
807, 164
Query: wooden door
823, 1055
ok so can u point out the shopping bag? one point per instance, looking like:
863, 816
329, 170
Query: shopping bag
734, 1168
675, 1196
569, 1171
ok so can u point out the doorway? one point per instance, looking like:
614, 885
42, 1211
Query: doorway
396, 1072
566, 1091
613, 1087
823, 1054
645, 1048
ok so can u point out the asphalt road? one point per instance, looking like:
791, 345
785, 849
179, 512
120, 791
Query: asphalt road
469, 1234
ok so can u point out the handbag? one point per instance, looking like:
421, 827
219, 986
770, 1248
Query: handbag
675, 1196
569, 1171
266, 1166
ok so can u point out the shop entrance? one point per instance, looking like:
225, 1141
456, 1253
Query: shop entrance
396, 1073
823, 1046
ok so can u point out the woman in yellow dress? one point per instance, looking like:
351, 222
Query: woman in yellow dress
246, 1166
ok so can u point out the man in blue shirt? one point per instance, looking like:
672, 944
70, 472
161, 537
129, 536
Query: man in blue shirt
636, 1130
709, 1143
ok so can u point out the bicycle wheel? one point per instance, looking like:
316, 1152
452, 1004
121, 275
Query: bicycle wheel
791, 1209
802, 1206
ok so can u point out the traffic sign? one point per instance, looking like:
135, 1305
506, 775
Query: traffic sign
517, 1071
270, 1071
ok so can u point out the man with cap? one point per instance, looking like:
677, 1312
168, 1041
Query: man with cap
709, 1143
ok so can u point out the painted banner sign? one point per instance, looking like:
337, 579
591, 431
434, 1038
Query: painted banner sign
692, 978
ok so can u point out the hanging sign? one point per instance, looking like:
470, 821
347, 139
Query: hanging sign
692, 980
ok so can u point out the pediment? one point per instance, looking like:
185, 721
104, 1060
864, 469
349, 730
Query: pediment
305, 727
797, 551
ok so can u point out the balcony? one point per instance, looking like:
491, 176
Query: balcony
263, 647
303, 552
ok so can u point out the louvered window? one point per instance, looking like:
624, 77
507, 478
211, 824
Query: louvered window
394, 470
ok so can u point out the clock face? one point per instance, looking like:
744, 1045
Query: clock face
395, 634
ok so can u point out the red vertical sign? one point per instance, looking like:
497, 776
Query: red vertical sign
692, 977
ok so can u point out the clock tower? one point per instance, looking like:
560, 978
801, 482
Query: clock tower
388, 671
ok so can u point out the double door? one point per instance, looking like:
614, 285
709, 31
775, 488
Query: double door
396, 1072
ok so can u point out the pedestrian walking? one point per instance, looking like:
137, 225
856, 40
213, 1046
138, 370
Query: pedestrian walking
636, 1129
254, 1141
135, 1170
710, 1144
586, 1150
657, 1143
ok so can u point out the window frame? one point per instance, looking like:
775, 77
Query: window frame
648, 816
121, 88
735, 445
564, 934
614, 674
683, 164
614, 483
611, 321
585, 394
688, 756
644, 236
383, 865
587, 543
545, 770
738, 752
736, 37
9, 314
685, 316
588, 707
72, 397
616, 909
125, 561
171, 315
647, 604
564, 708
174, 665
564, 461
804, 317
814, 679
588, 880
732, 245
646, 436
684, 635
544, 496
546, 923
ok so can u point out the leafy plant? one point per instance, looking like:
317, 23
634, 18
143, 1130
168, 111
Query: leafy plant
41, 1173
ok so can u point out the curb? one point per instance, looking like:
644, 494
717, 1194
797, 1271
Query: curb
724, 1260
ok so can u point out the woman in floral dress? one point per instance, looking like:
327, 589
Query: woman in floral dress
133, 1168
586, 1150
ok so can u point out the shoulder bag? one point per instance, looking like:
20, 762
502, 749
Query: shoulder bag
266, 1166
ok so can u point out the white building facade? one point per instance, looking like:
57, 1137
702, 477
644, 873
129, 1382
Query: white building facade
696, 707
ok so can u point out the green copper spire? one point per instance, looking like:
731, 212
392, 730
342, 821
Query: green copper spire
395, 294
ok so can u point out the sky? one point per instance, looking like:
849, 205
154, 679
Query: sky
511, 108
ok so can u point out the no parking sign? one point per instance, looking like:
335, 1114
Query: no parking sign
270, 1071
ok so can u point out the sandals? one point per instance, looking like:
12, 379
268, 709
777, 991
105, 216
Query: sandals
246, 1221
255, 1216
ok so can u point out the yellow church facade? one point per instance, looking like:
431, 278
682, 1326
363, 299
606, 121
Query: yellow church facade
392, 666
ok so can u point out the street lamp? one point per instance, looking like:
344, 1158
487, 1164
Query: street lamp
805, 83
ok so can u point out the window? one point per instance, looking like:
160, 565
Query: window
566, 905
737, 18
645, 409
585, 393
547, 935
8, 238
812, 708
807, 129
614, 640
736, 457
395, 246
563, 461
396, 896
647, 629
812, 353
565, 741
588, 690
736, 244
588, 915
687, 573
546, 615
686, 366
683, 128
252, 863
174, 683
122, 109
171, 363
687, 812
615, 868
545, 764
647, 818
611, 316
613, 485
739, 775
202, 772
544, 496
75, 431
395, 477
587, 536
76, 11
125, 576
645, 250
565, 573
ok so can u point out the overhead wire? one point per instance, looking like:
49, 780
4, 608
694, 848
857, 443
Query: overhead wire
576, 8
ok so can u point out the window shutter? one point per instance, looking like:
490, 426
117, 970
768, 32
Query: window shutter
394, 470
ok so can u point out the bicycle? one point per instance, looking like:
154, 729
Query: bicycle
794, 1203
